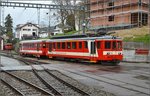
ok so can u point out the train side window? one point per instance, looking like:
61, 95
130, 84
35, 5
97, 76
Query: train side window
38, 45
85, 44
68, 45
50, 46
74, 45
44, 45
63, 45
58, 45
54, 45
80, 45
98, 45
114, 45
107, 44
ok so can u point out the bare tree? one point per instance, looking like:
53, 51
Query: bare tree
64, 14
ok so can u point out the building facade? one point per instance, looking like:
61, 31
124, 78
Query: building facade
27, 30
1, 43
113, 14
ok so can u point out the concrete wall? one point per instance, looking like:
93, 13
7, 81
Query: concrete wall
135, 45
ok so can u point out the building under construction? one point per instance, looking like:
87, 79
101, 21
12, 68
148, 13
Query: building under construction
118, 14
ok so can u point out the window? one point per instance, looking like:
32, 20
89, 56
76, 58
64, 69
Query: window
54, 45
38, 45
44, 45
63, 45
80, 45
119, 44
68, 45
34, 29
85, 44
74, 45
98, 45
111, 4
24, 29
111, 18
58, 45
50, 47
114, 45
29, 29
107, 44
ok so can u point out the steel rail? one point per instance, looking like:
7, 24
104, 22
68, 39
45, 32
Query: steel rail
28, 83
42, 80
46, 84
15, 89
131, 89
67, 84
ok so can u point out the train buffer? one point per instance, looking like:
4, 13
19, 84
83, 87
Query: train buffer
141, 51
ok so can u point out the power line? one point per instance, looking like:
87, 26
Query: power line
41, 6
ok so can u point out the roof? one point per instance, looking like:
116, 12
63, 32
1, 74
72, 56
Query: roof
28, 41
87, 38
19, 26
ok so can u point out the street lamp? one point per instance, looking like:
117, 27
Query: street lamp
83, 25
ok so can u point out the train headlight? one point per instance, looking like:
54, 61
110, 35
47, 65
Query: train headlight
119, 53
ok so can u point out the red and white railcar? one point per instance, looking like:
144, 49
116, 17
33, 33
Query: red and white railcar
8, 46
95, 49
33, 47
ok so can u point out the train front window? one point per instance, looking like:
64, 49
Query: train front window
107, 44
98, 45
119, 44
114, 46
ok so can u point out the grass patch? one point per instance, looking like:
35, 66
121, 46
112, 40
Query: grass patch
67, 33
144, 39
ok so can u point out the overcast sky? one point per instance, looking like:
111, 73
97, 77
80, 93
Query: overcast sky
22, 15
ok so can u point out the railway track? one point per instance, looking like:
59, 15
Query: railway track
138, 88
59, 86
23, 87
107, 80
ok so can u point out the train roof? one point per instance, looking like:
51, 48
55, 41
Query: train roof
106, 37
88, 38
34, 41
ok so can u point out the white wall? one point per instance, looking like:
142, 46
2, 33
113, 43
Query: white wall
2, 44
27, 30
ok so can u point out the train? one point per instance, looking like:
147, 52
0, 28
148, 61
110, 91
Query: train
8, 46
101, 49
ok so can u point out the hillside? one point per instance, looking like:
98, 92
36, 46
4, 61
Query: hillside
135, 34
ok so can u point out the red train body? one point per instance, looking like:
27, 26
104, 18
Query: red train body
8, 46
95, 49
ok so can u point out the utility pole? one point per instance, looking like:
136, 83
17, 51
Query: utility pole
49, 34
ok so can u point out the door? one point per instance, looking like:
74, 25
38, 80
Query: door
92, 51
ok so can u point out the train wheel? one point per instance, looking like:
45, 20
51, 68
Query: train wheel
109, 63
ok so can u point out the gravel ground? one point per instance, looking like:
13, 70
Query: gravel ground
28, 75
87, 89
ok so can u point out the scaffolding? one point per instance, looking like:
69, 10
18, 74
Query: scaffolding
118, 14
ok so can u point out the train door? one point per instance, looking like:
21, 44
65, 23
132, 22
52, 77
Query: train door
38, 46
44, 48
92, 50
